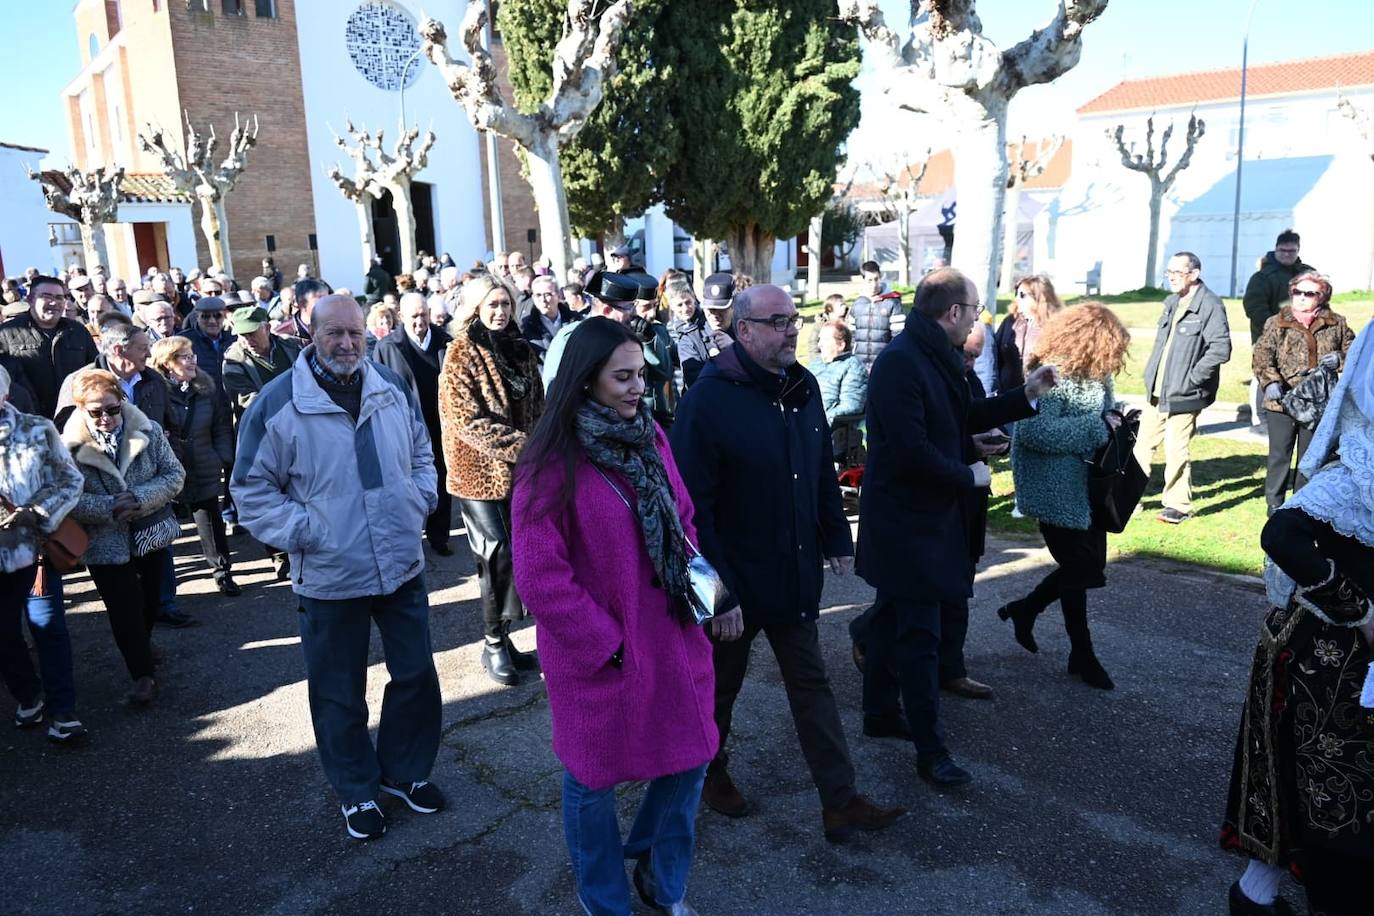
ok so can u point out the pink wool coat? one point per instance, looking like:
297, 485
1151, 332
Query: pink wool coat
589, 582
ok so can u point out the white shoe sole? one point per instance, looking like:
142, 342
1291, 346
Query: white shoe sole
361, 836
410, 802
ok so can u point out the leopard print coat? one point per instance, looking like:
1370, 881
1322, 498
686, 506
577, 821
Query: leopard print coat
483, 429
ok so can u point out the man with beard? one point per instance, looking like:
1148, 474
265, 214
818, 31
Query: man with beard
335, 466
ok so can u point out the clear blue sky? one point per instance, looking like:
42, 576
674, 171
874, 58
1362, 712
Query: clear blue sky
1134, 38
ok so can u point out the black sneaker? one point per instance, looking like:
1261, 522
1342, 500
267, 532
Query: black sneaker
364, 820
70, 732
1172, 517
28, 718
423, 796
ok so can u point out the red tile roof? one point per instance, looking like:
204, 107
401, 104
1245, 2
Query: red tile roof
137, 187
1343, 70
939, 176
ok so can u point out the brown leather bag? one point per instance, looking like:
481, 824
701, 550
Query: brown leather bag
63, 548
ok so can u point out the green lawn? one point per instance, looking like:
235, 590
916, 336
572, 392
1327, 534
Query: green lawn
1228, 498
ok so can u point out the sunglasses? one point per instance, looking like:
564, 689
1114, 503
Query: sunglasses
111, 411
1308, 293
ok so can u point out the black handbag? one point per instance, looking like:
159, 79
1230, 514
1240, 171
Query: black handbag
1306, 401
1116, 480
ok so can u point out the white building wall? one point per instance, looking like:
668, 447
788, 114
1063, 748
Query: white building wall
24, 228
1103, 212
334, 91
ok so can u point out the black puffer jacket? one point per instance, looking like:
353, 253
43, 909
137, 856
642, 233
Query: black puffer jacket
1267, 291
42, 371
206, 435
875, 323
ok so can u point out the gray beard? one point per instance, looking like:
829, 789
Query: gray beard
342, 373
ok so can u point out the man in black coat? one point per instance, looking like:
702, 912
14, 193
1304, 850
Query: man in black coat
415, 351
753, 447
913, 509
547, 318
43, 347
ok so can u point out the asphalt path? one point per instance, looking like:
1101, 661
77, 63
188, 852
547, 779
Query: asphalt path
212, 801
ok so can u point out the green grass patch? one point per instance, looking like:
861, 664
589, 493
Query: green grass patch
1228, 501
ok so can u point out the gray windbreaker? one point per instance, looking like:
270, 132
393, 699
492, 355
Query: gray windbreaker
347, 502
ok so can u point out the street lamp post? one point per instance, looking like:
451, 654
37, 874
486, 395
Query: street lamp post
404, 70
1240, 149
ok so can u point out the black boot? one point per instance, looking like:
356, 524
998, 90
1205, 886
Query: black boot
1337, 600
523, 661
498, 663
1082, 660
1022, 616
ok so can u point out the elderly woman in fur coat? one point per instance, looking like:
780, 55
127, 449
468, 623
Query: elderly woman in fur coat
130, 474
39, 485
490, 396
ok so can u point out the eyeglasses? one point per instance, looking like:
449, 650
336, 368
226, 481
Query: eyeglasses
110, 411
1023, 294
1178, 273
978, 307
1308, 293
1286, 250
51, 298
779, 323
185, 357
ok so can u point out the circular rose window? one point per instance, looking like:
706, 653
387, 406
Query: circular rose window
381, 38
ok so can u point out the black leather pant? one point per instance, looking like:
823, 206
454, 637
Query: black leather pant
488, 528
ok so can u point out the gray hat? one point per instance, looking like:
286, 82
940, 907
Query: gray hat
211, 304
146, 297
621, 251
718, 291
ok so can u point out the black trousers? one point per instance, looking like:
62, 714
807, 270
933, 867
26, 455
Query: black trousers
488, 526
797, 648
902, 659
1288, 441
132, 595
214, 543
953, 635
1302, 546
440, 521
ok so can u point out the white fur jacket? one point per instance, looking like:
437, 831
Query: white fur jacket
36, 471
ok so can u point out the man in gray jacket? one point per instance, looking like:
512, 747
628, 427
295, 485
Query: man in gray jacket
335, 467
1181, 379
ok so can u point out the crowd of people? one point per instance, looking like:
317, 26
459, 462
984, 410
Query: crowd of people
597, 432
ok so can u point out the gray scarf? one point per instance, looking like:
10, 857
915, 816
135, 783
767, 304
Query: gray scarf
627, 446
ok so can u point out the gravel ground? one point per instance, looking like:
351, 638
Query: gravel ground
213, 801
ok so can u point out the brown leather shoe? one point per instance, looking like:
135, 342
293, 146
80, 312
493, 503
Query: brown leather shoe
968, 688
858, 814
144, 692
719, 792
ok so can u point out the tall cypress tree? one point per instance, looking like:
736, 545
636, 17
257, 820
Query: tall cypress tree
613, 169
730, 112
763, 94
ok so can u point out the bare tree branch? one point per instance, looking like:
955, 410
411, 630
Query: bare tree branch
1362, 118
1025, 168
1053, 49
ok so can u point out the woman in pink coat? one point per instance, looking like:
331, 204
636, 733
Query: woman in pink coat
601, 524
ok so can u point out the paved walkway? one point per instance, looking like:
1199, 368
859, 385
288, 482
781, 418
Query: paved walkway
213, 801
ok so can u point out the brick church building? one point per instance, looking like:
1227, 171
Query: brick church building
302, 68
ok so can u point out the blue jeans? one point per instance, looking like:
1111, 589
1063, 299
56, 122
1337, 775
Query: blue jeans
664, 831
48, 626
335, 636
167, 594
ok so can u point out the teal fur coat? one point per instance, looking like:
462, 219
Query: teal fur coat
1050, 451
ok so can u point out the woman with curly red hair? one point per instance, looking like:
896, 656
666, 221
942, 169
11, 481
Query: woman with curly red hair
1049, 453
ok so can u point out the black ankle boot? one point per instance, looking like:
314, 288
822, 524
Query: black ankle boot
523, 661
1082, 660
1022, 618
498, 663
1337, 600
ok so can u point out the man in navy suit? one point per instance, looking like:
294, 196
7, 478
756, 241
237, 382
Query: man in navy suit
913, 524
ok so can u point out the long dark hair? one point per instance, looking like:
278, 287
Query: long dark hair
554, 438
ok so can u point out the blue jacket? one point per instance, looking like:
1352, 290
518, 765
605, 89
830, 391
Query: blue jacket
914, 505
754, 449
209, 351
844, 386
693, 347
347, 501
1049, 452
